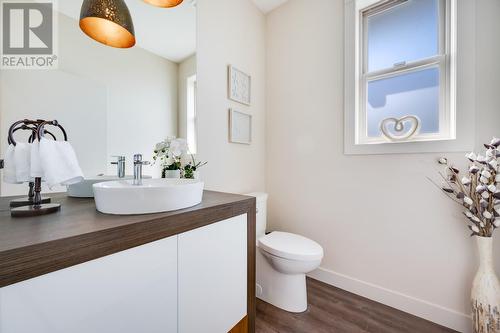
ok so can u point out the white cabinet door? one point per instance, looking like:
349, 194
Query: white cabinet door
212, 277
127, 292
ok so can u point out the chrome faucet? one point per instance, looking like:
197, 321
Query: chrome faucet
138, 163
120, 163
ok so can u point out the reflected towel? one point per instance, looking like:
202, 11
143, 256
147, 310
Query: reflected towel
22, 157
59, 163
9, 167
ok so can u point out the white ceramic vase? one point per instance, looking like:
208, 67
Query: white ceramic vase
173, 174
485, 295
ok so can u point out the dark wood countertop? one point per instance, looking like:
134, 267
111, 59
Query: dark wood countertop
34, 246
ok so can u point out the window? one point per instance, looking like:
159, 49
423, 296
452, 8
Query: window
405, 72
191, 114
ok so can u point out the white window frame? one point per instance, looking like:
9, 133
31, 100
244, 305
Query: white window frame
191, 114
444, 61
457, 89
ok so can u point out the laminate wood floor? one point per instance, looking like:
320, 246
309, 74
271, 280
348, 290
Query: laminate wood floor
332, 310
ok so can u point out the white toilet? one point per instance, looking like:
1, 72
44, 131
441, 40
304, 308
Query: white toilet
283, 259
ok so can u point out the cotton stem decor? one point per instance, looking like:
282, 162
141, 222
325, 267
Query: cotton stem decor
478, 191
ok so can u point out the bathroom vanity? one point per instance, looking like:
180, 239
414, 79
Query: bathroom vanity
80, 271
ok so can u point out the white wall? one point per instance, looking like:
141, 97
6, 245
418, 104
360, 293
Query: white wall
388, 233
187, 68
487, 70
136, 92
230, 32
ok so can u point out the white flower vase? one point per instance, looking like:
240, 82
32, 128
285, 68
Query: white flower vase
176, 174
196, 175
485, 295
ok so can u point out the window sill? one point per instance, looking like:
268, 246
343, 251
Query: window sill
416, 147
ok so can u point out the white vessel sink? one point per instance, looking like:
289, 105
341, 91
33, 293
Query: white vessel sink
154, 196
84, 188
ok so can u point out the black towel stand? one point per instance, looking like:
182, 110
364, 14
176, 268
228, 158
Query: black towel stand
31, 192
37, 205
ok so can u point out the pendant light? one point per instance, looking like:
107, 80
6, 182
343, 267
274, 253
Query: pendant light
108, 22
164, 3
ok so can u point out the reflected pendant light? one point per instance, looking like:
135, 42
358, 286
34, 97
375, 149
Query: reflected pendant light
164, 3
108, 22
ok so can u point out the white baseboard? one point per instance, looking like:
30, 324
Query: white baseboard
420, 308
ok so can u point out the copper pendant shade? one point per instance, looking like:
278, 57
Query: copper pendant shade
164, 3
108, 22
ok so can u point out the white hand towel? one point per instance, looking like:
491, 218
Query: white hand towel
59, 163
36, 164
9, 166
22, 157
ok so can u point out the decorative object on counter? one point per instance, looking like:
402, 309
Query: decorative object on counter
191, 170
21, 165
11, 168
478, 190
240, 127
40, 158
239, 86
108, 22
174, 174
399, 131
164, 3
172, 170
169, 154
171, 173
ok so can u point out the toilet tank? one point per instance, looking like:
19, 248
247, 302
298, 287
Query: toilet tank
261, 219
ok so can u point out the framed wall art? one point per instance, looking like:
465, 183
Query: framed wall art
240, 127
239, 86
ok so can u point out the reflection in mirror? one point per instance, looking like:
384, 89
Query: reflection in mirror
112, 102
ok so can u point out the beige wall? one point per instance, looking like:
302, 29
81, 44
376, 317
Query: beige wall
387, 232
487, 70
230, 32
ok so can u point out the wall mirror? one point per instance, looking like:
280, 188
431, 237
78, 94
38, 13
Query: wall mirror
111, 101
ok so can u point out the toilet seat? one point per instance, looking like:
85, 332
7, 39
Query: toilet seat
290, 246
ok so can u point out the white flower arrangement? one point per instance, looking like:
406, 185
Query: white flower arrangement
169, 154
478, 190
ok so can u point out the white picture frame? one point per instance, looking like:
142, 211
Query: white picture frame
239, 86
240, 127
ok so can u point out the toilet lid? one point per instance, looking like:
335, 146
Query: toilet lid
290, 246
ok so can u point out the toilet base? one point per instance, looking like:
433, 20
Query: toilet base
285, 291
